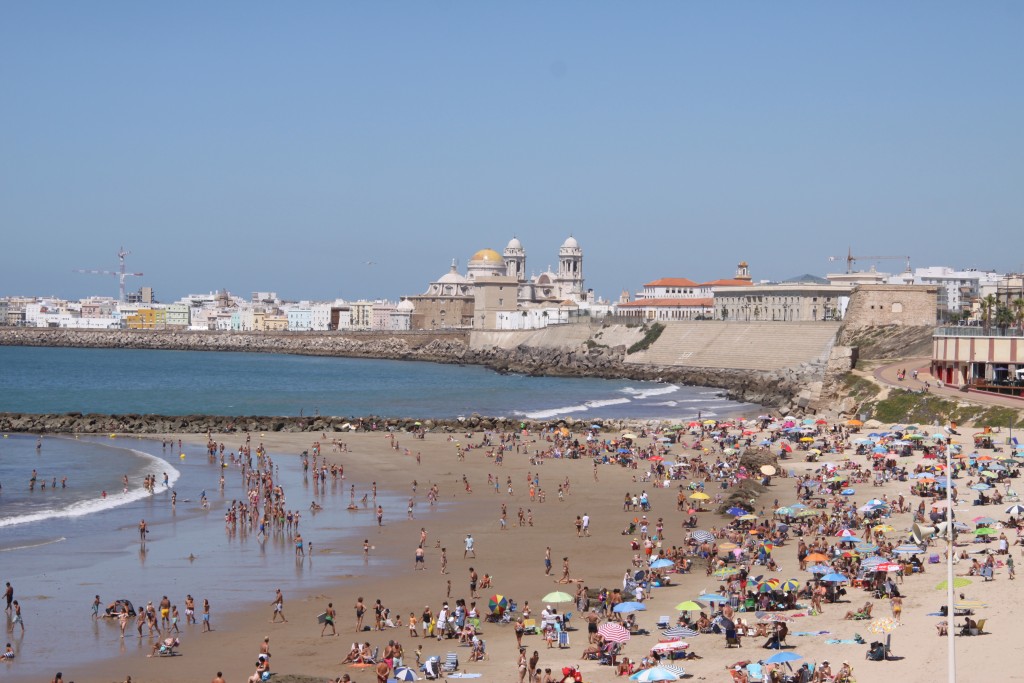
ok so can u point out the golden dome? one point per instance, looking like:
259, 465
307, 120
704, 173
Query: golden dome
487, 255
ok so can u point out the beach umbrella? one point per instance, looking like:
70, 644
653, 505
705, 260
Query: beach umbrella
557, 596
784, 511
958, 582
848, 492
854, 423
782, 657
747, 518
729, 451
498, 604
623, 607
847, 534
768, 470
865, 547
884, 528
700, 495
629, 435
819, 569
883, 625
797, 506
908, 549
725, 572
702, 536
807, 513
981, 486
678, 632
404, 673
983, 520
1015, 510
816, 557
888, 567
789, 585
985, 531
655, 673
988, 475
661, 564
727, 546
614, 632
735, 511
834, 577
690, 606
712, 597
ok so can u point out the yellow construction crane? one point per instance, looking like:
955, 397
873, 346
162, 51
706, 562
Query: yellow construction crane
851, 259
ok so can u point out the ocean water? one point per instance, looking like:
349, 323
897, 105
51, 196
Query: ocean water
57, 380
60, 547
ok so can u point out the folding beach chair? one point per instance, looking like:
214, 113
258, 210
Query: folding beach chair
451, 662
563, 640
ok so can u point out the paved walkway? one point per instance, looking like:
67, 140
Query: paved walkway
886, 374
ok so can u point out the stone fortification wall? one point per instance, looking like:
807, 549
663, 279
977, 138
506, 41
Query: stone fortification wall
881, 305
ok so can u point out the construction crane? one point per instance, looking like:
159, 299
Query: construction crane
851, 259
119, 273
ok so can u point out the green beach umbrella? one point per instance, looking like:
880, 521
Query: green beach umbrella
557, 596
958, 582
690, 606
984, 531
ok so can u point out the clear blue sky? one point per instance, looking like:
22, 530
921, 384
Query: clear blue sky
280, 146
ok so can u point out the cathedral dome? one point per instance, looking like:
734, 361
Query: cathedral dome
570, 243
514, 243
487, 256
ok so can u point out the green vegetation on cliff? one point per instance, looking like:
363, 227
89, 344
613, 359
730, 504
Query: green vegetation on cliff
650, 336
903, 407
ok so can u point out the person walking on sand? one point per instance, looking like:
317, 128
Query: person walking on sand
547, 561
299, 546
469, 547
329, 615
278, 603
444, 560
206, 616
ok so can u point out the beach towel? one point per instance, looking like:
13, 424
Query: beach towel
811, 633
851, 641
464, 675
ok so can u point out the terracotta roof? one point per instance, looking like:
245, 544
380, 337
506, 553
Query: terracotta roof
671, 303
672, 282
728, 283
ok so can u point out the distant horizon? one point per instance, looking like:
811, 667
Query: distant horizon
255, 147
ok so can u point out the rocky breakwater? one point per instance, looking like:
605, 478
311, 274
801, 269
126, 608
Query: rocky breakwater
425, 346
79, 423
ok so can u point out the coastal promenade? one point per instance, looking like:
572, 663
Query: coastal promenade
888, 375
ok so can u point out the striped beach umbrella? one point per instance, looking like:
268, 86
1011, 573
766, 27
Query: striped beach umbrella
790, 585
614, 632
702, 536
656, 673
679, 632
404, 673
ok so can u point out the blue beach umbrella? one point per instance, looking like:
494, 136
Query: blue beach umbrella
655, 673
712, 597
630, 607
834, 577
404, 673
735, 511
661, 564
819, 569
848, 492
782, 657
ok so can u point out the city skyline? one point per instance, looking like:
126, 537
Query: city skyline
340, 150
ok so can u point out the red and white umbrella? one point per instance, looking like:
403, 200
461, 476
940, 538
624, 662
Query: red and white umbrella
887, 567
615, 633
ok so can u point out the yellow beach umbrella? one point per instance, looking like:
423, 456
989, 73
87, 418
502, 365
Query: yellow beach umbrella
699, 496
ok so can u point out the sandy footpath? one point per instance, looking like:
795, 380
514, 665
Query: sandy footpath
514, 558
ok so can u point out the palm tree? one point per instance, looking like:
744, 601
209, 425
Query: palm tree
1004, 317
988, 308
1017, 306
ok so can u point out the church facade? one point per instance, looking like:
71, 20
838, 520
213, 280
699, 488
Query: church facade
494, 284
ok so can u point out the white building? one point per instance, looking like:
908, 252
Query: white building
958, 289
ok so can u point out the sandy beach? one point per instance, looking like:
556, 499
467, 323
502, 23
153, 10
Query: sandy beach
514, 558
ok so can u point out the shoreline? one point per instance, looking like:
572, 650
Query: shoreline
514, 558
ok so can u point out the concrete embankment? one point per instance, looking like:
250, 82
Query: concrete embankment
567, 351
